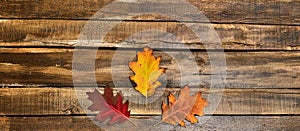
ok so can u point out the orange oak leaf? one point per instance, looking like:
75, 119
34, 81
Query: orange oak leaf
186, 107
110, 106
147, 72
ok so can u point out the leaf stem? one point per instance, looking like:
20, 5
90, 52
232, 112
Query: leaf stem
157, 123
132, 122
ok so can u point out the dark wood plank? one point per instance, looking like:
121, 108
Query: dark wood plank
53, 67
65, 101
66, 33
47, 123
227, 11
290, 123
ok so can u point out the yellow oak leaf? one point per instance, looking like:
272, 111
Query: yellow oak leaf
146, 72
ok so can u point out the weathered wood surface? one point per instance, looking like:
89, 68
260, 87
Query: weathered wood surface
53, 67
261, 88
226, 11
289, 123
65, 101
65, 33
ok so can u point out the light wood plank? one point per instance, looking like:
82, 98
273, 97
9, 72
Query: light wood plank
227, 11
64, 33
65, 101
52, 67
290, 123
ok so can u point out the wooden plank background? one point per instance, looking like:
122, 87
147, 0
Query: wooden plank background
261, 40
53, 67
65, 33
63, 101
224, 123
229, 11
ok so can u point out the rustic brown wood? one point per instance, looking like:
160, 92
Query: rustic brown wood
47, 123
65, 33
52, 67
65, 101
261, 88
227, 11
290, 123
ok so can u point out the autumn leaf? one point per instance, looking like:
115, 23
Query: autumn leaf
147, 72
110, 107
186, 107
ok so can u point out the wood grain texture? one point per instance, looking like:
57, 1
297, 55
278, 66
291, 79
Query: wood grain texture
226, 11
290, 123
52, 67
65, 33
65, 101
37, 38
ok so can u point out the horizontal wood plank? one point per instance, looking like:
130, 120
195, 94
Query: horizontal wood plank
290, 123
53, 67
66, 101
226, 11
65, 33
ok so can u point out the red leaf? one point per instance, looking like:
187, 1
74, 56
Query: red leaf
110, 107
